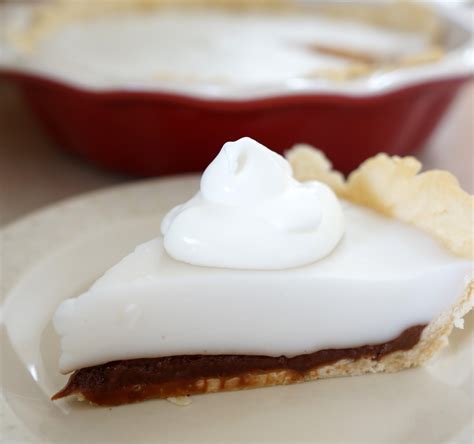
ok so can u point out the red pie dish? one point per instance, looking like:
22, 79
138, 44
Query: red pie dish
355, 106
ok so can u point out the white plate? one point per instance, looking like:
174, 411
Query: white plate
57, 252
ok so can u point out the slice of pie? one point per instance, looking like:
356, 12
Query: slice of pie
261, 280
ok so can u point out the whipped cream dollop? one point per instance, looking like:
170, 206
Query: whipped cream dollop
250, 213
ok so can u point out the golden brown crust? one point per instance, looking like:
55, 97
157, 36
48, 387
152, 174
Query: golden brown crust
432, 201
311, 164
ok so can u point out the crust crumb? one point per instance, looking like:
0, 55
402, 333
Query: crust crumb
181, 401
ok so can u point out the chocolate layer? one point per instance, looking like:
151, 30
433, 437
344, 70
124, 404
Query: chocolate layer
122, 382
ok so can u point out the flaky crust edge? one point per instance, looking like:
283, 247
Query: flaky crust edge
432, 201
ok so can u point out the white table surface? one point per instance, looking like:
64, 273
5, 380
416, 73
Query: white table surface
35, 173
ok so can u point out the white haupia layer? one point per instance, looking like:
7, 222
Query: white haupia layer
383, 277
209, 45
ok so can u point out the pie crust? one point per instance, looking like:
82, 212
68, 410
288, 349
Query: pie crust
433, 201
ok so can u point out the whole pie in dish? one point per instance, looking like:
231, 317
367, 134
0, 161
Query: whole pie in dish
224, 42
277, 271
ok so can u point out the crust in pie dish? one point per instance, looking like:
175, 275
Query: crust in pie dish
432, 201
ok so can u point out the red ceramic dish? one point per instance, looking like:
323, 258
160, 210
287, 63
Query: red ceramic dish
152, 133
155, 130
